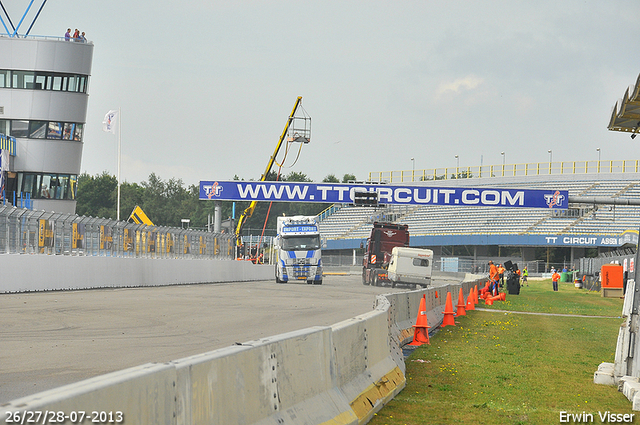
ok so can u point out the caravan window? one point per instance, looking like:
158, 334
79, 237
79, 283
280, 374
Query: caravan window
421, 262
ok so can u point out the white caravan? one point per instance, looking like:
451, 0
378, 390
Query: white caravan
410, 266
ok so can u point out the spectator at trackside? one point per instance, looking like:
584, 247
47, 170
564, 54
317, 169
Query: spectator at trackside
525, 275
501, 270
493, 277
67, 35
555, 278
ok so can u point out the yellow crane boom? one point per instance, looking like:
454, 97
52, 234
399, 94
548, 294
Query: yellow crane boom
248, 212
139, 217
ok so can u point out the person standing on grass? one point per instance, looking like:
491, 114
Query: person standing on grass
501, 270
525, 275
493, 277
555, 278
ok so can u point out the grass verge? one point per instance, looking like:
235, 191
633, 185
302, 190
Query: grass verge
509, 368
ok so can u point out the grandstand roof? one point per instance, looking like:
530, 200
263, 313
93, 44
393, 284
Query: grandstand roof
626, 112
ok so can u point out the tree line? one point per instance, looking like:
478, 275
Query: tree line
167, 202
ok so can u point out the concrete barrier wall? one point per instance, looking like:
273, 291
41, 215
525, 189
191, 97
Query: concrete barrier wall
366, 373
625, 371
22, 273
341, 374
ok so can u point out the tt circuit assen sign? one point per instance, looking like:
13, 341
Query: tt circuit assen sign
387, 194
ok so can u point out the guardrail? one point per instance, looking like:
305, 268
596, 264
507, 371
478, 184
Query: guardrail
341, 374
44, 37
507, 170
23, 231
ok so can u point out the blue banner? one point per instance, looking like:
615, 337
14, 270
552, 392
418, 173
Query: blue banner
337, 193
299, 229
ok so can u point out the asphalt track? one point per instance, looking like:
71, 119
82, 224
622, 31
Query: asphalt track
49, 339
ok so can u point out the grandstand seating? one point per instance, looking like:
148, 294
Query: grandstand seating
349, 222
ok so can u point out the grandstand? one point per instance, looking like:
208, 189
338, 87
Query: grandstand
580, 226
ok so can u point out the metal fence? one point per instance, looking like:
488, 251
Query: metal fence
446, 264
24, 231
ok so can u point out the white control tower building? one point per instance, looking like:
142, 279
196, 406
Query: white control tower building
43, 105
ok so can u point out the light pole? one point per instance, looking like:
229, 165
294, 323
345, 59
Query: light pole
457, 165
598, 150
503, 158
413, 169
550, 159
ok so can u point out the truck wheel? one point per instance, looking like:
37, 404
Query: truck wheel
376, 282
364, 280
318, 282
393, 284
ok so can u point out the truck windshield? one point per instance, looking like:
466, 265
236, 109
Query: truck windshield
301, 243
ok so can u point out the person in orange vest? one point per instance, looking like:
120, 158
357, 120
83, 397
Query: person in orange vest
493, 276
555, 277
501, 270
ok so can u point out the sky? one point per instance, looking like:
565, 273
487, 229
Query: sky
205, 87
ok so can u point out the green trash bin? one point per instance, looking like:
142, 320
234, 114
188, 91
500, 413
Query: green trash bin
564, 277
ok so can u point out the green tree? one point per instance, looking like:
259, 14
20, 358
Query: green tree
348, 177
296, 177
331, 178
131, 194
97, 195
163, 201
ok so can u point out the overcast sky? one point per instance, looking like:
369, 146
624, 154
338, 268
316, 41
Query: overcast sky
206, 87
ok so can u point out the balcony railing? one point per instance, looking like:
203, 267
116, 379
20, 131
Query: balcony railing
508, 170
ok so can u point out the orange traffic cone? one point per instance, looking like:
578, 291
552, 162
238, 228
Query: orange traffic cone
436, 294
448, 312
461, 311
487, 288
421, 331
470, 304
500, 297
475, 295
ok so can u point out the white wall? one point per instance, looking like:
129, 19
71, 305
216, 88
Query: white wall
22, 272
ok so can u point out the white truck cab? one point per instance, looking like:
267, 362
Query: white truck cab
410, 266
299, 250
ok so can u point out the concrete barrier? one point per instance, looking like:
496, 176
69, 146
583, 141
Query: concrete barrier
341, 374
366, 372
139, 395
287, 378
24, 273
625, 371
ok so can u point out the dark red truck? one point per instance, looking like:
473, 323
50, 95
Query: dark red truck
384, 237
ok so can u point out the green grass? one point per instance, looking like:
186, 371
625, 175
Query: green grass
509, 368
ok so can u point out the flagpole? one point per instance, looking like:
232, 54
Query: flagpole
119, 157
